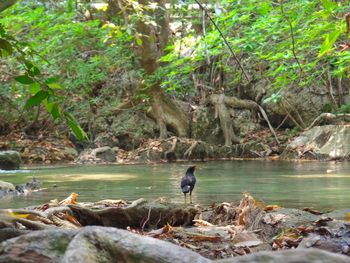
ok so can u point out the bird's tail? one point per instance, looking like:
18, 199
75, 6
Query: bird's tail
185, 189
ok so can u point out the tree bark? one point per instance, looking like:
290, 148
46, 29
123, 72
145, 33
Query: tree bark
221, 103
153, 40
4, 4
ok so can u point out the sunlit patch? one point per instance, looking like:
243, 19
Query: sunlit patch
312, 176
90, 177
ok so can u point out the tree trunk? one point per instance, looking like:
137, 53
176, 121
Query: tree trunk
168, 114
4, 4
153, 40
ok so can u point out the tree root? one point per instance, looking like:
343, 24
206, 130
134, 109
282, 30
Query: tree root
188, 152
170, 154
221, 102
328, 117
139, 214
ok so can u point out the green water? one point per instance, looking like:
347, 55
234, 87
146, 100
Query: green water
287, 184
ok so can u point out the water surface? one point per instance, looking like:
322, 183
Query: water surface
319, 185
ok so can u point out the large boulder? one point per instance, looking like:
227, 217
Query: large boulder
98, 155
9, 160
290, 256
93, 244
329, 142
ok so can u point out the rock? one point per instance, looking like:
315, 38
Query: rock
123, 246
106, 139
321, 142
10, 189
39, 246
6, 186
93, 244
9, 160
105, 154
290, 256
338, 214
97, 155
70, 151
273, 223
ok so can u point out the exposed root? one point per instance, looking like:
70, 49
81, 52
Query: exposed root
188, 152
329, 117
170, 154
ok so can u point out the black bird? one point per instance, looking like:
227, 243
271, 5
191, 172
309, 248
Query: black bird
188, 182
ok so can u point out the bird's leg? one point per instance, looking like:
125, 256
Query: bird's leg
185, 198
190, 197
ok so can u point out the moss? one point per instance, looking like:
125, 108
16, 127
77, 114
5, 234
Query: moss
60, 243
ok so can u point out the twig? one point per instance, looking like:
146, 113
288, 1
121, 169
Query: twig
293, 40
147, 219
224, 39
268, 123
205, 37
330, 91
327, 116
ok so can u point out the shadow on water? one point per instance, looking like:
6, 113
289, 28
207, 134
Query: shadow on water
314, 184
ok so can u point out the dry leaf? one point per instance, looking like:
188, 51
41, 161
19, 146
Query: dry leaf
248, 243
72, 199
206, 238
312, 211
71, 219
347, 217
270, 208
200, 222
273, 219
161, 231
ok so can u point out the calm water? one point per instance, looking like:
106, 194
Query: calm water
283, 183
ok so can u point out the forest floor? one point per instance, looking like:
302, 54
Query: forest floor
220, 231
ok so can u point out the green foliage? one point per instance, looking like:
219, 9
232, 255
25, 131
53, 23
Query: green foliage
345, 108
294, 132
290, 44
295, 41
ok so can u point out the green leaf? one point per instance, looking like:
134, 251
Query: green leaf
51, 80
328, 42
36, 99
139, 41
55, 111
5, 45
55, 86
31, 68
24, 79
329, 5
75, 127
34, 88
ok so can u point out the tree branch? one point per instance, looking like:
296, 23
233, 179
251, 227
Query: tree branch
4, 4
225, 41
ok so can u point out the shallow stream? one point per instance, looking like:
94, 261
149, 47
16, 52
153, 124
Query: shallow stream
312, 184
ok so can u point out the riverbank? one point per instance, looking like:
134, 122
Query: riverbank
220, 231
48, 150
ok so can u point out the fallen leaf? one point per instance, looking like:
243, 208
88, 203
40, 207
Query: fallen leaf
200, 222
249, 243
72, 199
273, 219
347, 217
312, 211
71, 219
206, 238
270, 208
